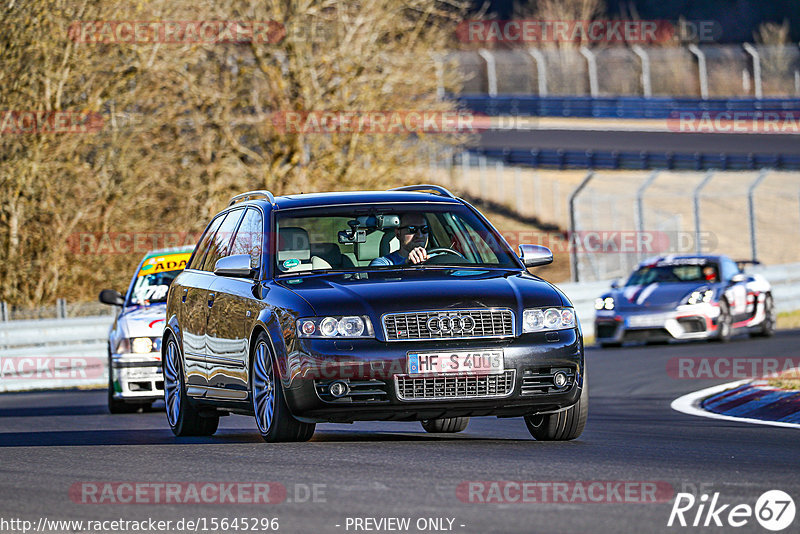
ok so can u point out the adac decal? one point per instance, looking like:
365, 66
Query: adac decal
159, 264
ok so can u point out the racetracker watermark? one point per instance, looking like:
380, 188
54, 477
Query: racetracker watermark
177, 31
215, 492
51, 368
109, 243
762, 122
57, 122
614, 241
566, 492
632, 32
378, 122
732, 367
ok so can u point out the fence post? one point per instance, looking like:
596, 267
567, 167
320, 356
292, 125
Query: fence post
573, 223
639, 213
61, 308
501, 186
491, 71
752, 212
647, 86
439, 67
700, 186
484, 186
541, 70
702, 70
750, 49
3, 312
464, 170
591, 62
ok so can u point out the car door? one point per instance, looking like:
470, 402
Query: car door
736, 290
193, 311
232, 317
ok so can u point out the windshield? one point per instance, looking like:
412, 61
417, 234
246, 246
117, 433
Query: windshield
344, 238
674, 274
152, 288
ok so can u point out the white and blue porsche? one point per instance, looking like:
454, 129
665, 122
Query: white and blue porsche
685, 298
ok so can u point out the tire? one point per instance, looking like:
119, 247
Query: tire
447, 425
564, 425
273, 419
724, 323
182, 416
767, 328
117, 406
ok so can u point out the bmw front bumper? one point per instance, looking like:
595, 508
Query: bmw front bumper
137, 377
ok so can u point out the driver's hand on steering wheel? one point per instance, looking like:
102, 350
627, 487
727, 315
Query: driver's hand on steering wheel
418, 255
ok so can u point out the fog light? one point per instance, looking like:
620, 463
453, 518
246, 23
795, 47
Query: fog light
560, 379
338, 388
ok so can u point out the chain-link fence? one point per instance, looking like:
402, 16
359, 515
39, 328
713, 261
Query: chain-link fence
706, 71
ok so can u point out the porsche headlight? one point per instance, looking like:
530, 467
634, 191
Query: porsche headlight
545, 319
700, 296
604, 304
347, 326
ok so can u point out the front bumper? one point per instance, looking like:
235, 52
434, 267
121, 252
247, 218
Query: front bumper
687, 322
137, 376
381, 388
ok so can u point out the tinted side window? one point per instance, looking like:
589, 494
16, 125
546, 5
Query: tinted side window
220, 245
249, 237
202, 246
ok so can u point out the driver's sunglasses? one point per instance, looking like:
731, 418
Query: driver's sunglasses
414, 229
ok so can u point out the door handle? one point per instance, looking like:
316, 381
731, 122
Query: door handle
210, 299
185, 292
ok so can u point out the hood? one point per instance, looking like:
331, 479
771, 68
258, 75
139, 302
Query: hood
379, 292
656, 296
147, 321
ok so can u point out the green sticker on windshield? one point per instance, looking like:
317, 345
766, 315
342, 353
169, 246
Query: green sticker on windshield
291, 262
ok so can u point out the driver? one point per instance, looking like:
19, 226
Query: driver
413, 236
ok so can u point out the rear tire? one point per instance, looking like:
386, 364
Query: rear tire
564, 425
447, 425
275, 422
184, 419
768, 326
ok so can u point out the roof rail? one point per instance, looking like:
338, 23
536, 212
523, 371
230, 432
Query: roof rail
426, 187
252, 195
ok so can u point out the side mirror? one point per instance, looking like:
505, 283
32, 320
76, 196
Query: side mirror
237, 266
615, 283
111, 297
535, 255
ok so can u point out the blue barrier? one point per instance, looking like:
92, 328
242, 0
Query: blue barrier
623, 107
576, 159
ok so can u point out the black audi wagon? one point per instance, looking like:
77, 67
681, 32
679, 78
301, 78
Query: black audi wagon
403, 305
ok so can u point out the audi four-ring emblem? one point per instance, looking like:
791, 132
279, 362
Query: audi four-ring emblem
451, 324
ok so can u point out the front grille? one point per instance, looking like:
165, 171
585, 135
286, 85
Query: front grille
692, 324
486, 323
540, 381
454, 387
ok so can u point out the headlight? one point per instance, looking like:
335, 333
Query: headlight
604, 304
139, 345
350, 326
700, 296
543, 319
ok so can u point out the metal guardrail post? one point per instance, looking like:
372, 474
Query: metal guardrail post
541, 70
640, 201
464, 170
752, 211
591, 62
702, 69
573, 223
696, 194
491, 70
647, 85
518, 188
439, 67
3, 312
61, 308
501, 186
484, 186
750, 49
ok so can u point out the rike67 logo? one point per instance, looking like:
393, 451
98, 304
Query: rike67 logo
774, 510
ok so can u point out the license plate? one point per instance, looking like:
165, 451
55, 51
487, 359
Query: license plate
647, 320
141, 373
437, 363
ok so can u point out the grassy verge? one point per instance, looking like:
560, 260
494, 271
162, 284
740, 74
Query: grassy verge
789, 320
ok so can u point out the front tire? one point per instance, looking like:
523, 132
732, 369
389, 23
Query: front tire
562, 426
275, 422
768, 326
724, 323
447, 425
183, 418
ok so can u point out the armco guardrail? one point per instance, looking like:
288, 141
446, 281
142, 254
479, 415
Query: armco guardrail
84, 339
621, 107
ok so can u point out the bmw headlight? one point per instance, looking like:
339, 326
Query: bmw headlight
139, 345
349, 326
604, 304
545, 319
700, 296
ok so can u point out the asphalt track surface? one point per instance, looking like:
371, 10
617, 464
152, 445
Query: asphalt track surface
50, 441
632, 141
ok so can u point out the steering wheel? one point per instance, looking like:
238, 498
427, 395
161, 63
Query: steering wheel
445, 250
